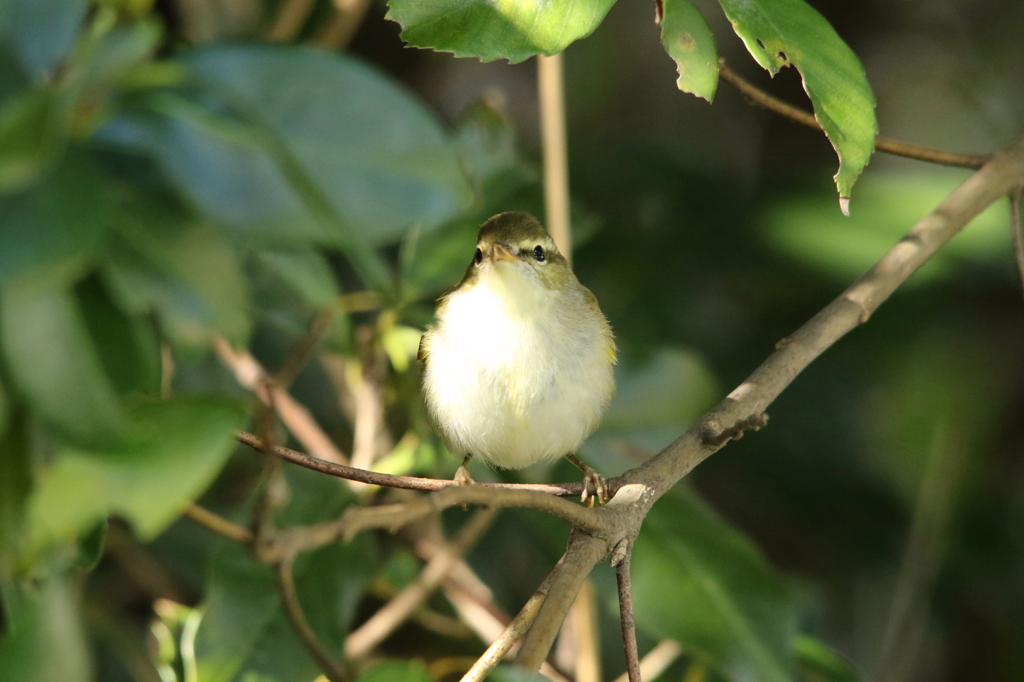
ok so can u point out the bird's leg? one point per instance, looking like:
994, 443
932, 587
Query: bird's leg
590, 479
462, 476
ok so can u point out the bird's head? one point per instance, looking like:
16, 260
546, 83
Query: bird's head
516, 247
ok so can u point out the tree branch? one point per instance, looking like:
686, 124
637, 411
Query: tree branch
293, 609
218, 524
572, 489
882, 144
625, 583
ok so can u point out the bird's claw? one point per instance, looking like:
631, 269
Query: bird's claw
462, 477
592, 479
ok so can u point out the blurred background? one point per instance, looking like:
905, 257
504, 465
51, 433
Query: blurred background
191, 170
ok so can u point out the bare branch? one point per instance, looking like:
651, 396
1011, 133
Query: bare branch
551, 94
882, 144
572, 489
501, 646
394, 613
656, 661
218, 524
624, 579
582, 554
293, 609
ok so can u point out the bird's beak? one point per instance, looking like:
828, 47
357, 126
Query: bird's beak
502, 252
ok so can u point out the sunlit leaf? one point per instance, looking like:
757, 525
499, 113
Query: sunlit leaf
176, 449
514, 30
778, 33
43, 639
687, 38
700, 582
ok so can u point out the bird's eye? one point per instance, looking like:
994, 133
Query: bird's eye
538, 253
478, 257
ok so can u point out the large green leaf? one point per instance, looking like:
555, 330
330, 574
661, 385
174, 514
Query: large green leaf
512, 29
41, 32
55, 364
687, 38
43, 639
778, 33
176, 449
700, 582
58, 224
381, 159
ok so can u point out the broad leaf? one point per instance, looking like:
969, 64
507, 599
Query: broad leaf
687, 38
700, 582
176, 449
43, 639
305, 272
778, 33
33, 132
514, 29
41, 32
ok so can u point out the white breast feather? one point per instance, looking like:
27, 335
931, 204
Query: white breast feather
510, 383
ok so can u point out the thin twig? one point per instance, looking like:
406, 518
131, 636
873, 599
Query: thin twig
656, 661
551, 95
1018, 231
572, 489
882, 144
371, 633
218, 524
293, 609
251, 375
503, 644
625, 582
302, 349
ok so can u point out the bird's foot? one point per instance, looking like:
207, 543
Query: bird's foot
462, 476
597, 482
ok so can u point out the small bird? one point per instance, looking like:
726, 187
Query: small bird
518, 368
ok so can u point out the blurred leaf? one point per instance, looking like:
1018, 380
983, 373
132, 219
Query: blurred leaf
807, 229
406, 671
507, 673
185, 273
821, 663
106, 59
33, 132
41, 32
304, 271
486, 144
244, 633
778, 33
668, 389
5, 409
55, 364
176, 449
90, 546
699, 581
688, 39
43, 641
57, 225
512, 30
127, 347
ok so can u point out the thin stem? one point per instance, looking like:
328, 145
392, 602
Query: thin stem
882, 144
551, 95
624, 579
501, 646
1018, 231
656, 661
572, 489
293, 609
302, 349
218, 524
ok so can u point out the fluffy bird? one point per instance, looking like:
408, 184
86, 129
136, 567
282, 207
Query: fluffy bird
518, 368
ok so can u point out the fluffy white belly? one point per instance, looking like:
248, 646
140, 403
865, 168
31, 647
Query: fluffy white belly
512, 389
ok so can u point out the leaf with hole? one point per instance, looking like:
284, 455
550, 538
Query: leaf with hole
687, 38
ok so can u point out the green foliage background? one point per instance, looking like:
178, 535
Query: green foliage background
168, 178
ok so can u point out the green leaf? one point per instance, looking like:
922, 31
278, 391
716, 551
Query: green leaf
33, 133
43, 640
176, 449
513, 30
41, 32
15, 485
304, 271
687, 38
507, 673
55, 364
405, 671
821, 663
57, 225
699, 581
185, 273
778, 33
